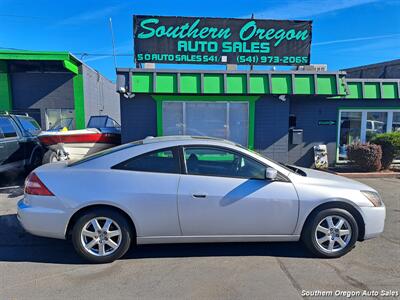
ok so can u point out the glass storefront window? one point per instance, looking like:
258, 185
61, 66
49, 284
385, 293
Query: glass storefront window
396, 122
173, 118
376, 124
396, 127
360, 126
206, 119
227, 120
350, 131
239, 122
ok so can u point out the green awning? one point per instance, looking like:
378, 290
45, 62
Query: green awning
199, 82
70, 62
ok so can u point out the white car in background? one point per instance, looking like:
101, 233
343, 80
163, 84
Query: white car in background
194, 189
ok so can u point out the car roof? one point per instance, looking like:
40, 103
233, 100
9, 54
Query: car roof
155, 143
14, 115
180, 138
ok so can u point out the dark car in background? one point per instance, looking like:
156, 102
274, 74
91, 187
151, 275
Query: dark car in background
19, 145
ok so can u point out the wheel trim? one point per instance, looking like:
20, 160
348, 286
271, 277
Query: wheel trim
333, 233
101, 236
54, 158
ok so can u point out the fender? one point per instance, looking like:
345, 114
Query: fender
36, 148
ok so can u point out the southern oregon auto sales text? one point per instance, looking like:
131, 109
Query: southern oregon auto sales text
248, 31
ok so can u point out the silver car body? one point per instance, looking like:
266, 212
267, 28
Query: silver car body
164, 210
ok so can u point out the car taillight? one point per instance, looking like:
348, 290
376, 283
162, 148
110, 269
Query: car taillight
34, 186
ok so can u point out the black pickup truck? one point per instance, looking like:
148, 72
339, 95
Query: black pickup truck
19, 146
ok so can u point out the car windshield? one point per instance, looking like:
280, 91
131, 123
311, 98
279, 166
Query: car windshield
62, 123
102, 122
104, 152
290, 169
29, 125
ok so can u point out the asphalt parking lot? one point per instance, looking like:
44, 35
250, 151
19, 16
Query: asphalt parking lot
40, 268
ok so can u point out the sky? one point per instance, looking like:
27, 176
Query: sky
346, 33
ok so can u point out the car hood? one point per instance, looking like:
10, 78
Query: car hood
328, 179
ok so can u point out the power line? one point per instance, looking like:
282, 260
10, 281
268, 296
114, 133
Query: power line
101, 54
23, 17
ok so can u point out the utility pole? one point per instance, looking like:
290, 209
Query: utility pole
113, 43
251, 66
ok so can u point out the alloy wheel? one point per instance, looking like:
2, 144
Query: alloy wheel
101, 236
333, 233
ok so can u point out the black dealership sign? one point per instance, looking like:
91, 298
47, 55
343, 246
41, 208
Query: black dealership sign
191, 40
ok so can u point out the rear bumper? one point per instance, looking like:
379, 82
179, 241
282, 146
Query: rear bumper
41, 221
374, 220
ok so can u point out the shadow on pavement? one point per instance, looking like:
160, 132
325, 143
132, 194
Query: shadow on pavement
16, 245
11, 183
289, 249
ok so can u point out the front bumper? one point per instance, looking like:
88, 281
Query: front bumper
42, 221
374, 220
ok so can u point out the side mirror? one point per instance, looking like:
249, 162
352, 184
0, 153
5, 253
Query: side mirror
271, 173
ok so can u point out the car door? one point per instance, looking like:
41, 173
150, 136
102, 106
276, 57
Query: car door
10, 148
149, 183
28, 141
3, 150
225, 193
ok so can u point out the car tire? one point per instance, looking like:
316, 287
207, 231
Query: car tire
84, 235
330, 233
49, 157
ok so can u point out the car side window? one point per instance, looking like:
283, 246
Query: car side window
7, 128
29, 124
160, 161
210, 161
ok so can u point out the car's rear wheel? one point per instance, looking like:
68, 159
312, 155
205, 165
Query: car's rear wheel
50, 156
101, 236
330, 232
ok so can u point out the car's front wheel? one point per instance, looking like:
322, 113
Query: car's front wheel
101, 236
330, 232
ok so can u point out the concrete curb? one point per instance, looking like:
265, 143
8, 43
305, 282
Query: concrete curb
369, 175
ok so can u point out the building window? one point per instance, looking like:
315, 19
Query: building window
59, 118
361, 126
226, 120
376, 124
396, 121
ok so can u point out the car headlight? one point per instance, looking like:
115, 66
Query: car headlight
373, 197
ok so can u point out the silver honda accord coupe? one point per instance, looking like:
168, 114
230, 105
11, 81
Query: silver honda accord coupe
194, 189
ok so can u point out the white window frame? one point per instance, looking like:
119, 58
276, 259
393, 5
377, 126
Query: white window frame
363, 133
227, 103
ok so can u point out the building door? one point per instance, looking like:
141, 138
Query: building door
226, 120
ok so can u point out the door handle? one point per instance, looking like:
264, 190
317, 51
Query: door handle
199, 196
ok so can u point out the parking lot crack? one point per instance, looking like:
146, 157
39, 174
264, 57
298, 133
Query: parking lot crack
350, 280
390, 240
292, 280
